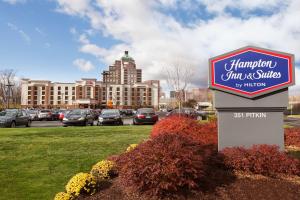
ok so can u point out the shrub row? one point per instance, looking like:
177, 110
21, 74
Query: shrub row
177, 159
205, 133
261, 159
169, 165
292, 137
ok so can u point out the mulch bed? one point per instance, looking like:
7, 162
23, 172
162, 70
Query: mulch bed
243, 187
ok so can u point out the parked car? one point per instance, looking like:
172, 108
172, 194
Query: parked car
145, 116
62, 114
55, 114
33, 114
81, 117
14, 117
129, 112
45, 115
110, 116
188, 112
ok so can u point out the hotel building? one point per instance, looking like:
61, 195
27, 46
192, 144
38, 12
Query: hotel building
121, 86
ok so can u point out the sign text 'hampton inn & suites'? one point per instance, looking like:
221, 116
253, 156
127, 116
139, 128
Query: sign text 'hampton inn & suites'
251, 93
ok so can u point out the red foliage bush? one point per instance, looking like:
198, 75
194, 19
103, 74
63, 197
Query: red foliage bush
292, 137
204, 133
261, 159
169, 165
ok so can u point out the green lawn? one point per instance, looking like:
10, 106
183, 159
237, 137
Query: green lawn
36, 163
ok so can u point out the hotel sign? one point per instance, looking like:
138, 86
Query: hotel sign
251, 72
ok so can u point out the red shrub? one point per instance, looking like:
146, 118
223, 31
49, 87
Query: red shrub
175, 124
292, 137
260, 159
204, 133
169, 165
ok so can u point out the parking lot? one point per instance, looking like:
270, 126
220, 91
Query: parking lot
126, 121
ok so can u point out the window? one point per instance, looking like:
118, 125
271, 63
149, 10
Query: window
59, 88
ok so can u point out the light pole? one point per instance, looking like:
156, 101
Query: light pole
9, 85
105, 81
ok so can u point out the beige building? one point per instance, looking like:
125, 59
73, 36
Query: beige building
122, 86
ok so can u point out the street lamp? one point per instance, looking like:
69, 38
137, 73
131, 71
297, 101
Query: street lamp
9, 85
105, 73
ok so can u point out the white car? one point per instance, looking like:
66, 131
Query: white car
45, 115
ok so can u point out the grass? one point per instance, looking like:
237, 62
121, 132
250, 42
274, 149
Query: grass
36, 163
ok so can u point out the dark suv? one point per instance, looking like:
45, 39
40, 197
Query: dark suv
110, 116
14, 117
81, 117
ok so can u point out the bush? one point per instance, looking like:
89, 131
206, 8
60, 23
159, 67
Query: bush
203, 133
131, 147
63, 196
261, 159
169, 165
104, 169
292, 137
81, 183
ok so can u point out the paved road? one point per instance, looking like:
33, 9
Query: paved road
126, 121
292, 121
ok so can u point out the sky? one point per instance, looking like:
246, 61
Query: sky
66, 40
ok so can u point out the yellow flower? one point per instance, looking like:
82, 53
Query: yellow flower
131, 147
103, 170
81, 183
63, 196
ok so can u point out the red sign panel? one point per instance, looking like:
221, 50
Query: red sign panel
251, 71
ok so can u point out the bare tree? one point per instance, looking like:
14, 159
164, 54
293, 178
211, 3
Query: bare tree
10, 89
178, 79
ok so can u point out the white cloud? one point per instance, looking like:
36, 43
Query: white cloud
23, 35
296, 88
42, 33
73, 31
74, 7
83, 65
157, 39
13, 2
